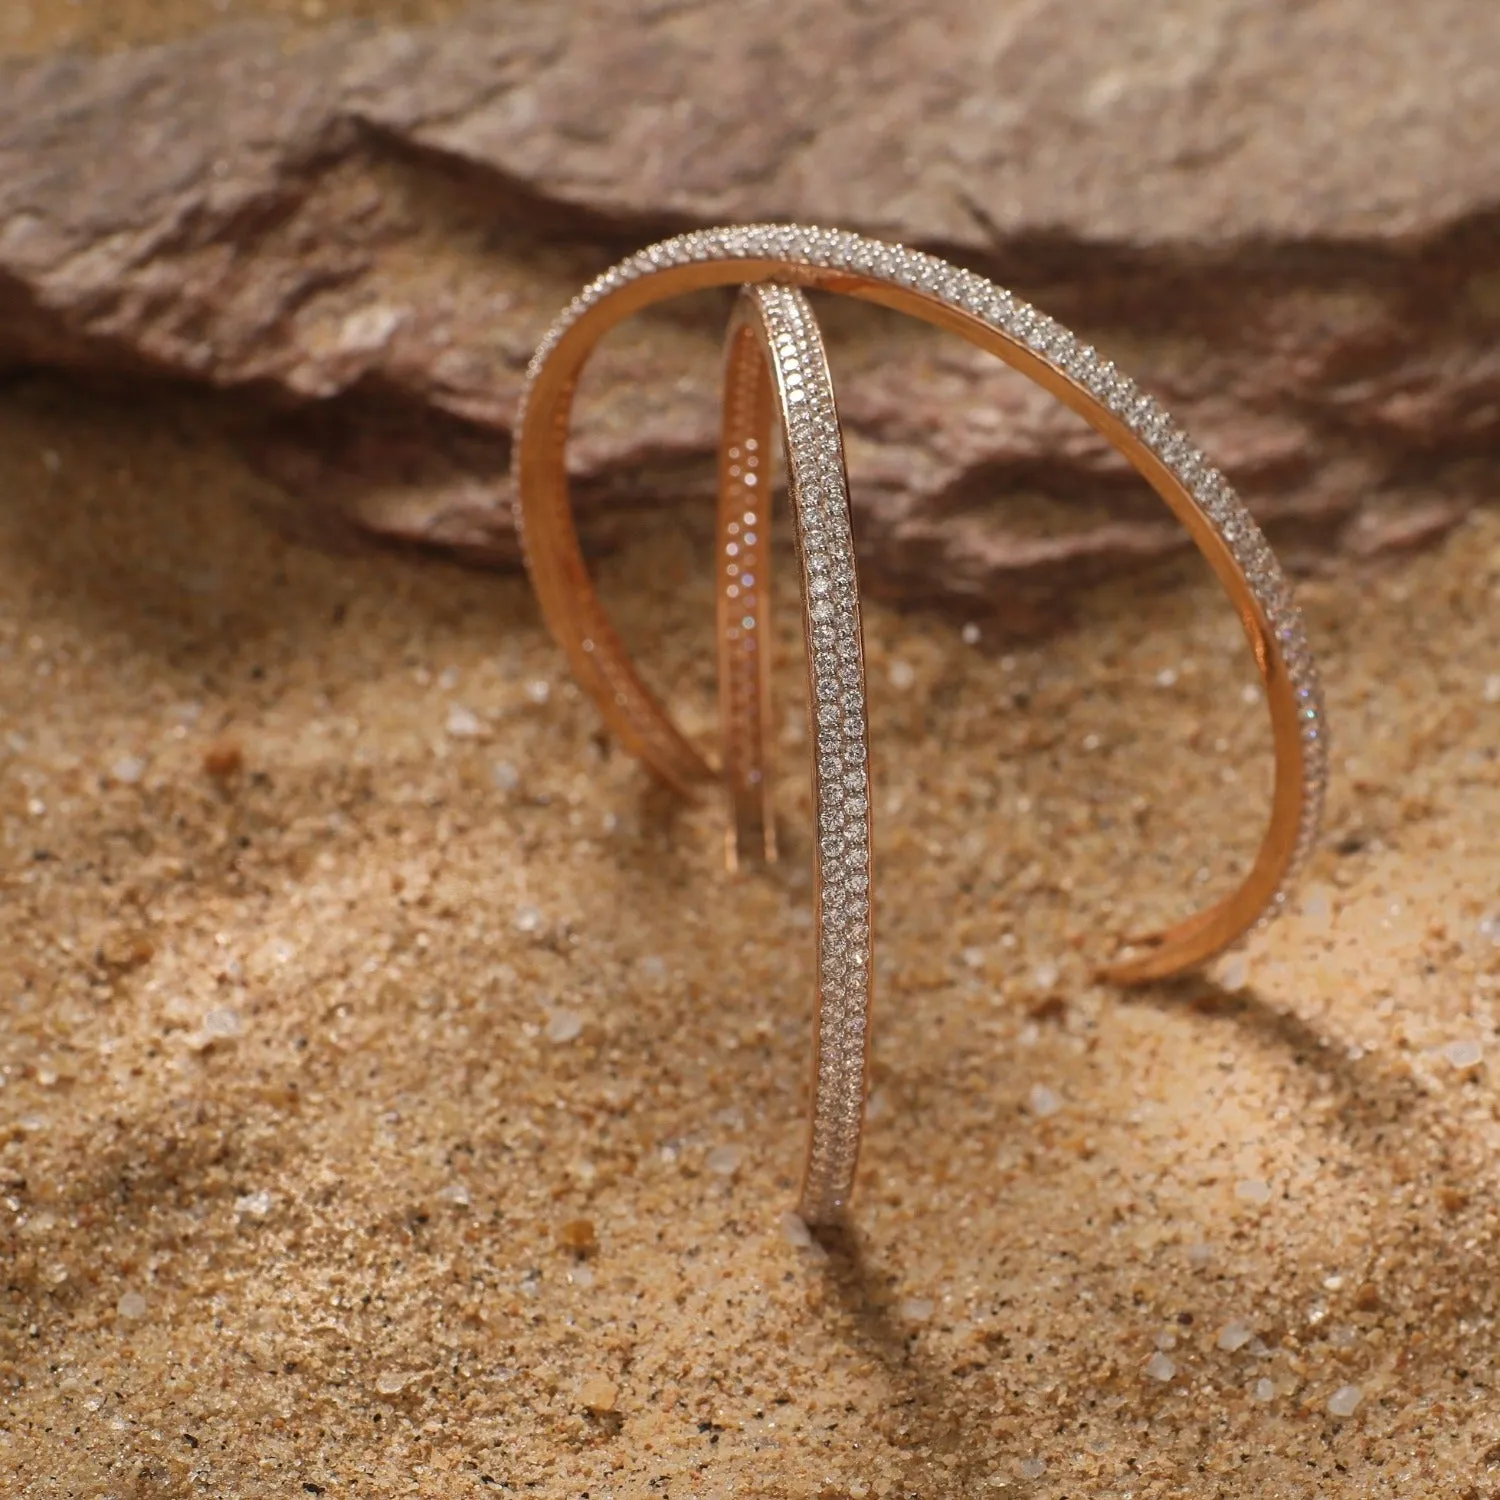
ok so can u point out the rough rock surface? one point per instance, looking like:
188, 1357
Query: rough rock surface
1284, 218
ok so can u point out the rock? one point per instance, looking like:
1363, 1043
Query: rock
1282, 217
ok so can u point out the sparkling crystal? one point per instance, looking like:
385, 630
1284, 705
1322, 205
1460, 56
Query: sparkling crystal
795, 1232
128, 770
1344, 1402
564, 1026
463, 723
1465, 1054
1043, 1102
1235, 1335
223, 1024
256, 1205
724, 1161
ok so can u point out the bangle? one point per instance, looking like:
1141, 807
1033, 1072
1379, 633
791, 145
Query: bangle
775, 364
1039, 348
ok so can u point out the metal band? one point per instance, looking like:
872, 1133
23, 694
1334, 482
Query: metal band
775, 350
744, 591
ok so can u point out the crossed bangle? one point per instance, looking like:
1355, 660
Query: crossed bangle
1024, 338
774, 358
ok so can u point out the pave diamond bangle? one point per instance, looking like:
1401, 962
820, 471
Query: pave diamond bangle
1029, 341
774, 359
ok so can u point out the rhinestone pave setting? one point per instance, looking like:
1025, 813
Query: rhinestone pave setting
819, 497
821, 250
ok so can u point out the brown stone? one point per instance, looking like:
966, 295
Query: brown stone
1283, 217
223, 760
578, 1235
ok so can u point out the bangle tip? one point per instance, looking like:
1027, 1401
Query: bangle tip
1140, 958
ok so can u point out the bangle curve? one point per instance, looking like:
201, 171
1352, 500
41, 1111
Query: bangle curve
775, 367
1038, 347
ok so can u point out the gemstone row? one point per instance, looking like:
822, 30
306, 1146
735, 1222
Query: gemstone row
840, 736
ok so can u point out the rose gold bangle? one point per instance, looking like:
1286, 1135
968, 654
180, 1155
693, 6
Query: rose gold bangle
774, 362
744, 582
1038, 347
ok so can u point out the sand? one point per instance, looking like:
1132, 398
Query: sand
352, 981
398, 1098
